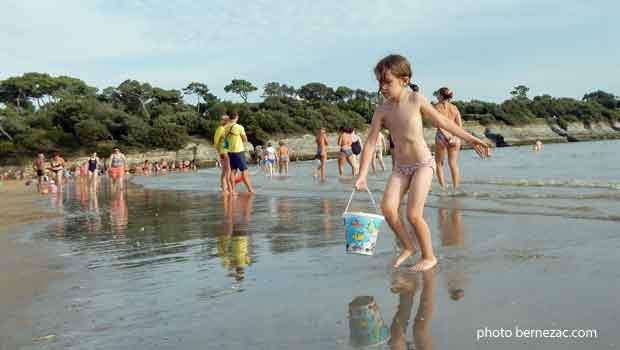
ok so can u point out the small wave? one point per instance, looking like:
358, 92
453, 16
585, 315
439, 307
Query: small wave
615, 218
520, 195
548, 183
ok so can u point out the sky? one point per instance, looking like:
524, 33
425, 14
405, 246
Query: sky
479, 48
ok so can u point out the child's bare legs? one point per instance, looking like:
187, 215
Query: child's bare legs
381, 162
440, 154
286, 168
394, 191
420, 185
341, 164
453, 156
323, 162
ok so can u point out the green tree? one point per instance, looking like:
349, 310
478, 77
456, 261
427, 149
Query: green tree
241, 88
520, 92
168, 135
604, 98
201, 91
90, 131
135, 96
272, 89
316, 92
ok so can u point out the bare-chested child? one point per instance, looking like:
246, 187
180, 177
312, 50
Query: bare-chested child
321, 151
401, 113
283, 158
39, 167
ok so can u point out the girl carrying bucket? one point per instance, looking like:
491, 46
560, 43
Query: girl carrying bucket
401, 115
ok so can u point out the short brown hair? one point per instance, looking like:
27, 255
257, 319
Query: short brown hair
395, 64
233, 114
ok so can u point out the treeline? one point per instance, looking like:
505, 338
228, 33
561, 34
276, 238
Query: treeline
39, 112
598, 106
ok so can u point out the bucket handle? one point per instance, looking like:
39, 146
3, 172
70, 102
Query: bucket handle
372, 199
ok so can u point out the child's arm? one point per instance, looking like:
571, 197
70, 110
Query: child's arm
369, 150
441, 122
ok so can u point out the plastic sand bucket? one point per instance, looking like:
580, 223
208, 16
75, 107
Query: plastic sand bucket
366, 325
361, 229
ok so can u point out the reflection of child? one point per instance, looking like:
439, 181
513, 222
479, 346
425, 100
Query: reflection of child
52, 188
401, 115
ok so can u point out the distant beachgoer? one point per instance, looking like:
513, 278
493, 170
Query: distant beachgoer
39, 167
146, 167
379, 149
222, 149
538, 146
270, 158
445, 141
321, 151
284, 158
401, 113
235, 136
345, 141
118, 166
93, 163
57, 166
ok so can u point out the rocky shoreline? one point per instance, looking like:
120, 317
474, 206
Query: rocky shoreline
303, 147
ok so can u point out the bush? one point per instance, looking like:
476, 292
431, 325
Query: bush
91, 131
168, 136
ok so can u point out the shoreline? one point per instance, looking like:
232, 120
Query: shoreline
25, 263
303, 147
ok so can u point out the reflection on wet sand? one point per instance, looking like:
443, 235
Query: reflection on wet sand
233, 246
366, 326
119, 212
453, 247
405, 285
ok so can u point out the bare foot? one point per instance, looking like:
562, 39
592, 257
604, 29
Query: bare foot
423, 265
404, 254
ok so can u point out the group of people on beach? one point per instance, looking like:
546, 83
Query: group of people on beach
413, 163
400, 114
52, 175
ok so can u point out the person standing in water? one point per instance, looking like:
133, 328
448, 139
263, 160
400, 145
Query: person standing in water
283, 157
222, 150
401, 113
57, 166
538, 145
321, 151
380, 148
118, 166
93, 163
39, 167
345, 141
445, 142
235, 137
271, 158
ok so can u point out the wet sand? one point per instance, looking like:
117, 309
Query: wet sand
24, 264
172, 264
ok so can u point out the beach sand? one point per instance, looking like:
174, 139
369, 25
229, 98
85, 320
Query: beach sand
24, 264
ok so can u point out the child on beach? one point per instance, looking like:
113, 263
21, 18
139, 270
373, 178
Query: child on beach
401, 114
283, 157
270, 158
321, 151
